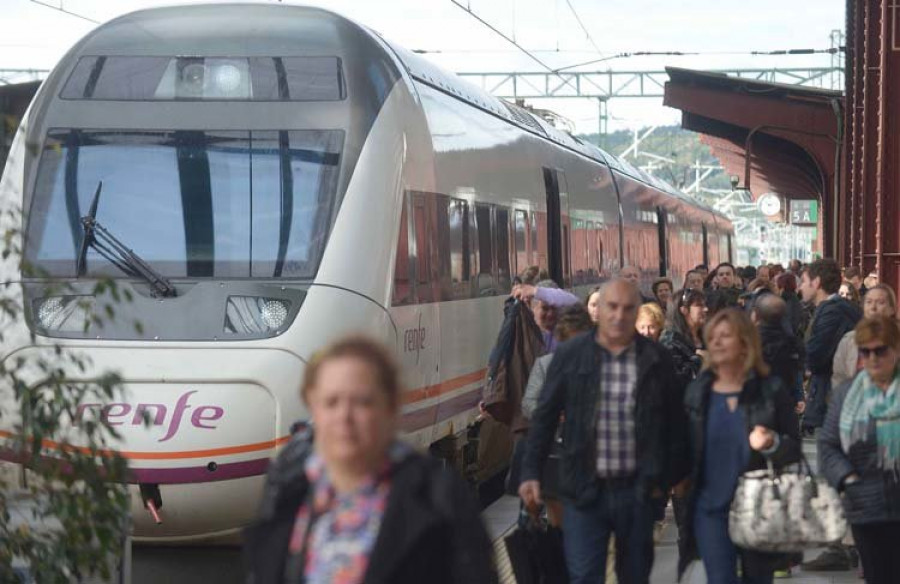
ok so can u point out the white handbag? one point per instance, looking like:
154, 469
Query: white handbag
785, 512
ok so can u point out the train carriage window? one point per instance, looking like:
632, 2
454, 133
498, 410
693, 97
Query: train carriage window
539, 239
442, 247
484, 284
504, 274
426, 284
522, 257
460, 248
402, 286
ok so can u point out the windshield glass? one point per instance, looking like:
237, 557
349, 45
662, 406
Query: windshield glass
198, 204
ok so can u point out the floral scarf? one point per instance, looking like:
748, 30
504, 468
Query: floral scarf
335, 533
867, 403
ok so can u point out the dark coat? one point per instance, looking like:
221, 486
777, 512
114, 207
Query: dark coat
572, 385
684, 355
765, 402
783, 353
876, 497
431, 530
794, 312
833, 319
518, 346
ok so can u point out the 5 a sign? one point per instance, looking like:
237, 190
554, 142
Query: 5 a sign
804, 212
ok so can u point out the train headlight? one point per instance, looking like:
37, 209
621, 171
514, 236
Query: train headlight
205, 78
247, 315
64, 313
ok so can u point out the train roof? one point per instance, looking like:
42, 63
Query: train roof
424, 71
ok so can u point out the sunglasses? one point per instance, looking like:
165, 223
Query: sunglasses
879, 351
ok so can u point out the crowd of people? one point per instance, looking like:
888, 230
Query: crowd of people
644, 400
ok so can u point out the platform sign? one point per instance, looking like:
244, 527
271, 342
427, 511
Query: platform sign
805, 212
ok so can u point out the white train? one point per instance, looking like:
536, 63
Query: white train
287, 175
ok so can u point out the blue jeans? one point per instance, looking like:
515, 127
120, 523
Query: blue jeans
586, 531
720, 556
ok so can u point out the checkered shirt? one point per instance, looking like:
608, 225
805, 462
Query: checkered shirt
616, 441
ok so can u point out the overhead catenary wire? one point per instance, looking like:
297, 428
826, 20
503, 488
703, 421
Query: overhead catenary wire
511, 41
584, 28
779, 52
62, 9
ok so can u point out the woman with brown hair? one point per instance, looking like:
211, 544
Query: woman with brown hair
739, 417
357, 505
859, 447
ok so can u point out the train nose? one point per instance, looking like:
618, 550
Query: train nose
203, 446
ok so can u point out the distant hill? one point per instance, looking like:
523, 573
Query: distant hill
682, 146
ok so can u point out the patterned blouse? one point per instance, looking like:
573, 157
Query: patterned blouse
334, 533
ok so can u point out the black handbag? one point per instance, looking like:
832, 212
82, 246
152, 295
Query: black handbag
535, 551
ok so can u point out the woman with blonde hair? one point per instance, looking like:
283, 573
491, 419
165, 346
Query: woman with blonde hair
650, 321
740, 417
358, 505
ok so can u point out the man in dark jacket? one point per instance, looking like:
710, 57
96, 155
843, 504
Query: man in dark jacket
834, 317
782, 351
624, 439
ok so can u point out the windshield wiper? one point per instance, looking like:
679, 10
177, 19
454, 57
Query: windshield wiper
111, 248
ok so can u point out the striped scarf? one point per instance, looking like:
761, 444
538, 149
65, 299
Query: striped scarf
865, 403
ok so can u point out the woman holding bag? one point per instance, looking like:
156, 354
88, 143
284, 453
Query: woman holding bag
739, 418
859, 448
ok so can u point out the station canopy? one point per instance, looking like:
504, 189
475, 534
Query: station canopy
790, 131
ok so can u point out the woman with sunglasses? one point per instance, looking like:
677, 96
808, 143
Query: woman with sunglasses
859, 448
879, 301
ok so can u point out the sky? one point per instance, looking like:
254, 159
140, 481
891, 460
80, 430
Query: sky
36, 36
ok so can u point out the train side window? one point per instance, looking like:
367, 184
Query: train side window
539, 239
444, 288
504, 275
424, 232
484, 283
460, 259
522, 257
402, 285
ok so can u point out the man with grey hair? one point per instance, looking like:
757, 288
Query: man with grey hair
632, 274
782, 352
626, 439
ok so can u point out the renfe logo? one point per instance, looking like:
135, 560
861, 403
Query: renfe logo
118, 413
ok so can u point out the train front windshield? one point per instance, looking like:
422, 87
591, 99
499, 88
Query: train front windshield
193, 204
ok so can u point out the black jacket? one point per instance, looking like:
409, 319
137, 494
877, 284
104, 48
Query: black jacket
684, 355
431, 530
765, 402
573, 381
794, 312
876, 497
783, 353
833, 319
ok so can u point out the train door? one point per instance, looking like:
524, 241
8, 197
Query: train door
417, 292
558, 226
661, 218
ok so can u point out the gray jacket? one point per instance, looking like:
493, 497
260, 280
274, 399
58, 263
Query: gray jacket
535, 384
876, 496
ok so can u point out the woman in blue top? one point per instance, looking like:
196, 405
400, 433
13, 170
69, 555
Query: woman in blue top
739, 417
